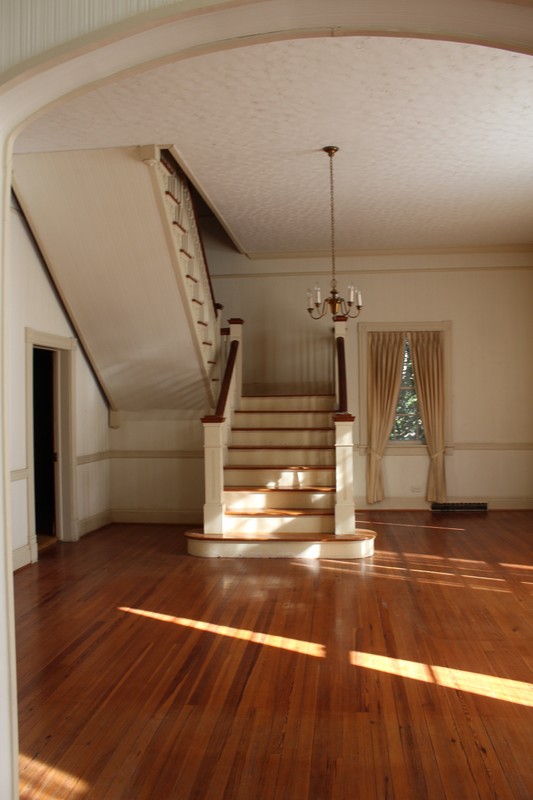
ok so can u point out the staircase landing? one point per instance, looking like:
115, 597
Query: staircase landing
360, 544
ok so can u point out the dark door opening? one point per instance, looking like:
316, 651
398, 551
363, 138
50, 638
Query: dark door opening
44, 456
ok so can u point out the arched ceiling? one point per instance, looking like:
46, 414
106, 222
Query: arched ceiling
434, 137
429, 101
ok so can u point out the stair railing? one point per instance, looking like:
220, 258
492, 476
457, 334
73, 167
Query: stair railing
188, 260
216, 432
343, 420
342, 388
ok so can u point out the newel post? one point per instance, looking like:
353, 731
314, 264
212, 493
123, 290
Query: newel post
215, 433
214, 474
344, 470
344, 474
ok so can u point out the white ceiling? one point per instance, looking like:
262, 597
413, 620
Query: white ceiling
435, 140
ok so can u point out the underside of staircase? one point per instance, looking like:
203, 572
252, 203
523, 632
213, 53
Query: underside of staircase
280, 484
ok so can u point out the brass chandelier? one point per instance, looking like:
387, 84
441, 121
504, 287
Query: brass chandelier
334, 303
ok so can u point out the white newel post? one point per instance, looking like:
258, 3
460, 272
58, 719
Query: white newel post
216, 429
344, 470
344, 496
214, 475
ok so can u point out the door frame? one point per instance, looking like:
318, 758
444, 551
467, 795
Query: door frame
64, 350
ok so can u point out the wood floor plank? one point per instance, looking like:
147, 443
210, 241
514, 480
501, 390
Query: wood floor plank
147, 674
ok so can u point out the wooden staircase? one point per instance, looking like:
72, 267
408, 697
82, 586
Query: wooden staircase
280, 484
280, 475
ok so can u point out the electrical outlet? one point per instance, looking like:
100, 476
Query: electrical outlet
415, 489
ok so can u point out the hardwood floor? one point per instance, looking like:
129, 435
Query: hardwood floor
147, 674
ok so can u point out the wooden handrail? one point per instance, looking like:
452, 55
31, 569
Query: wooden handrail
341, 369
226, 381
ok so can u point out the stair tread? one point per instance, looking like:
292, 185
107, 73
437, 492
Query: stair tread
279, 512
284, 411
266, 489
280, 447
285, 430
357, 536
286, 467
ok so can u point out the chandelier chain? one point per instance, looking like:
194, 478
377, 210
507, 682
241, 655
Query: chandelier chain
339, 308
332, 219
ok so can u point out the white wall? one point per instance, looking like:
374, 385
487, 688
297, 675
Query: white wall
149, 468
487, 299
157, 467
34, 305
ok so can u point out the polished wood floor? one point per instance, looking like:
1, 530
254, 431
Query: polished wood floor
147, 674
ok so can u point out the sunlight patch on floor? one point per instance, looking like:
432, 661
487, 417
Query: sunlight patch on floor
473, 682
282, 642
48, 783
437, 577
375, 522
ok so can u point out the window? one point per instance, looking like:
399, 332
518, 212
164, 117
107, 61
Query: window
407, 426
388, 397
409, 446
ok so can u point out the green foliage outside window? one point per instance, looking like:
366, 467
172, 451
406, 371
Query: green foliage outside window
407, 425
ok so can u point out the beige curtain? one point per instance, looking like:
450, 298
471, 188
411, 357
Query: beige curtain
427, 354
385, 358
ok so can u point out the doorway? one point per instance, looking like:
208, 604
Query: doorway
50, 437
44, 449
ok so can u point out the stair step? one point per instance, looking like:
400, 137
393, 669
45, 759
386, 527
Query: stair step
279, 520
278, 477
288, 402
299, 490
280, 512
282, 437
282, 419
274, 455
250, 498
284, 545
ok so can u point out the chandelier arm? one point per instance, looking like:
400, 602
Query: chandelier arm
314, 313
354, 315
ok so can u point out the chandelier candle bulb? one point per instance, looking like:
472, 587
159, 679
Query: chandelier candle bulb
318, 296
351, 293
359, 302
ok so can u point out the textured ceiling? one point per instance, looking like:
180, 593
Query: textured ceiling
435, 140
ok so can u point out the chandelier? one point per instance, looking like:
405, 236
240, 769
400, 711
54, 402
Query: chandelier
334, 303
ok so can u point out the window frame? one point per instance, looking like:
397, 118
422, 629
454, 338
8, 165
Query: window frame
363, 329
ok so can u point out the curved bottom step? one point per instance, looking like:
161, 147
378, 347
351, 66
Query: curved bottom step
360, 544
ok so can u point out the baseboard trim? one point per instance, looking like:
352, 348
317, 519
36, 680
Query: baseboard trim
393, 504
420, 504
155, 516
511, 504
21, 557
90, 524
